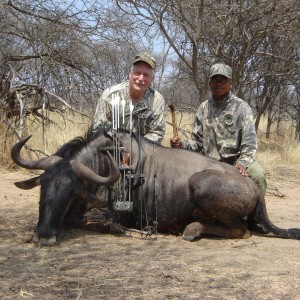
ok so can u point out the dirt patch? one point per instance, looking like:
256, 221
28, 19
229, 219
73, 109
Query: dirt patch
89, 265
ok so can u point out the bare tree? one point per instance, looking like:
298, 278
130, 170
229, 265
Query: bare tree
65, 53
56, 55
259, 39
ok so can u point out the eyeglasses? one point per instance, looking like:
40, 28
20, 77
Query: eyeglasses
222, 81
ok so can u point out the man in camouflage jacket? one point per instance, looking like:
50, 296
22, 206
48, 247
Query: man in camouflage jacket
148, 114
224, 128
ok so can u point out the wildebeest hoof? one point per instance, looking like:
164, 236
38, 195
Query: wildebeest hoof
116, 228
192, 231
51, 241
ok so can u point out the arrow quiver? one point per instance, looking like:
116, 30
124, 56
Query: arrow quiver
122, 196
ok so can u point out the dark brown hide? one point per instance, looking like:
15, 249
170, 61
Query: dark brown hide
179, 189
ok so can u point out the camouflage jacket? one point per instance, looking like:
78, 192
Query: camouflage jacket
148, 116
225, 132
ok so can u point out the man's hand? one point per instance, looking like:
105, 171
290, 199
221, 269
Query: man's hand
176, 142
241, 169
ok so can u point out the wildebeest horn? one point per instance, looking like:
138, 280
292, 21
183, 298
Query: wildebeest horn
40, 164
83, 172
28, 184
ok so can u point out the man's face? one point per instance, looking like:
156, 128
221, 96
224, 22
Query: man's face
220, 86
141, 76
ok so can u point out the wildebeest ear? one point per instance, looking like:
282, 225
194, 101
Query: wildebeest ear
28, 184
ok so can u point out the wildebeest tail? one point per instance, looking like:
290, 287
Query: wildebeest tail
263, 220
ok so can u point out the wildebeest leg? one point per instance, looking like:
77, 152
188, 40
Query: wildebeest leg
253, 224
221, 202
235, 230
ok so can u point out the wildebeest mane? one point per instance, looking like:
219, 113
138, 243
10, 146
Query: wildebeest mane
74, 146
71, 148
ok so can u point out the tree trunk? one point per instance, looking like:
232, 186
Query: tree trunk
297, 132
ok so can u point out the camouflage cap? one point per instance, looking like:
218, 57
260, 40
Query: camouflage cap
220, 69
145, 57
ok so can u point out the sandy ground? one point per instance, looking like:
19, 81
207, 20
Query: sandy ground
89, 265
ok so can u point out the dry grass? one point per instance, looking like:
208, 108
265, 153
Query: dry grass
280, 149
61, 130
184, 121
90, 265
276, 150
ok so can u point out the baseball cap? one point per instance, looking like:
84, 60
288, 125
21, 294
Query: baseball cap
145, 57
220, 69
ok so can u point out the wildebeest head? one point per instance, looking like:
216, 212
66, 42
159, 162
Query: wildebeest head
66, 183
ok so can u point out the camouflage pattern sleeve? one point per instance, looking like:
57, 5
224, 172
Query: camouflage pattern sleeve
102, 115
224, 132
151, 124
157, 123
249, 138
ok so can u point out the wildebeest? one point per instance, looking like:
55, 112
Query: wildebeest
175, 190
